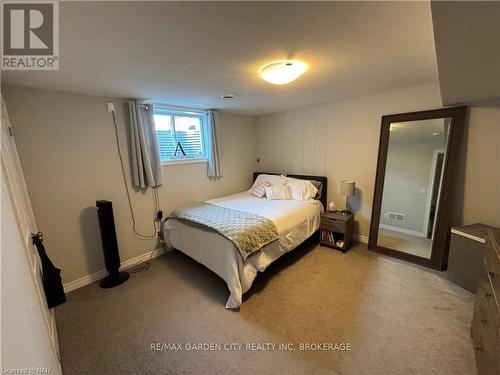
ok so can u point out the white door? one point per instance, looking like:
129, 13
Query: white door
18, 191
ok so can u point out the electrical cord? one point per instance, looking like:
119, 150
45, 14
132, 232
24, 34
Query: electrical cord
156, 203
134, 268
156, 197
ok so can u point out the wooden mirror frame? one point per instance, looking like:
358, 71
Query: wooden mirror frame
440, 244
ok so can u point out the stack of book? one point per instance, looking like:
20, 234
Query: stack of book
327, 236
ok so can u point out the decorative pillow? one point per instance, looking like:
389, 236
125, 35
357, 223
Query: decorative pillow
302, 190
279, 192
318, 185
260, 190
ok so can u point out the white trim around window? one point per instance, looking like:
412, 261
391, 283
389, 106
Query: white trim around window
188, 142
184, 161
180, 109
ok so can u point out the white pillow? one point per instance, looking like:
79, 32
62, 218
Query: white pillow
278, 192
274, 180
302, 190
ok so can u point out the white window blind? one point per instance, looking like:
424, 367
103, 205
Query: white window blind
180, 134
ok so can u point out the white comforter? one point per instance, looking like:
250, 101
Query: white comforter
295, 220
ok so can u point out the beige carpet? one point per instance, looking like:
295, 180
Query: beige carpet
399, 319
406, 243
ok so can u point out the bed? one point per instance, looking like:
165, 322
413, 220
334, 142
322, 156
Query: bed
295, 221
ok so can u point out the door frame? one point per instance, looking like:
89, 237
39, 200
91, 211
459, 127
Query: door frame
26, 223
430, 190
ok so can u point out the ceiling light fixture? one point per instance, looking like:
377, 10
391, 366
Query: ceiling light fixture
282, 72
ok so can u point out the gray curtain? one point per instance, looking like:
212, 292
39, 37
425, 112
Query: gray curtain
214, 167
145, 153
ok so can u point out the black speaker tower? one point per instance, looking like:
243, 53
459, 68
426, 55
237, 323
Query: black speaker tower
109, 246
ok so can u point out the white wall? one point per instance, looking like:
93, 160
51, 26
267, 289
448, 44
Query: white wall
67, 148
408, 171
481, 178
25, 338
339, 140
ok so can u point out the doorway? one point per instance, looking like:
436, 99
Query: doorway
435, 184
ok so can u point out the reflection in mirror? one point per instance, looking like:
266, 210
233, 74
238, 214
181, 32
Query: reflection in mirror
412, 184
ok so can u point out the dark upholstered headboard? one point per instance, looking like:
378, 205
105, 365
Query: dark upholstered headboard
322, 179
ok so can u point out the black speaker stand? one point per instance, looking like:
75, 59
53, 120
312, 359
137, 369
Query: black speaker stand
114, 279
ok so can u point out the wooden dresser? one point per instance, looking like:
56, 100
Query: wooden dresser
486, 321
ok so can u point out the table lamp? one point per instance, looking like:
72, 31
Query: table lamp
347, 189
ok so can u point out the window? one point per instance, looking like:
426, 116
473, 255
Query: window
181, 135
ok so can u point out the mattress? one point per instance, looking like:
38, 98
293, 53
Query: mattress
295, 221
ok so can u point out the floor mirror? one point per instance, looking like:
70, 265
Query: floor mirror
417, 163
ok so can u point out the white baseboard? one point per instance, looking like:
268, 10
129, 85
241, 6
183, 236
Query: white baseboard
93, 277
402, 230
360, 238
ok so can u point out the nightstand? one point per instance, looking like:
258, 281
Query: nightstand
334, 227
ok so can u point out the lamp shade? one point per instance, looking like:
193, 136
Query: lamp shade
347, 188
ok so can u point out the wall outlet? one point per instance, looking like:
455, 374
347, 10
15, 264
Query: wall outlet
159, 215
111, 107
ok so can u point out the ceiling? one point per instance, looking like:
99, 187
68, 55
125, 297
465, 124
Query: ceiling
468, 51
421, 131
190, 54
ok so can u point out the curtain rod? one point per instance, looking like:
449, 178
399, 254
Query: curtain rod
175, 108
